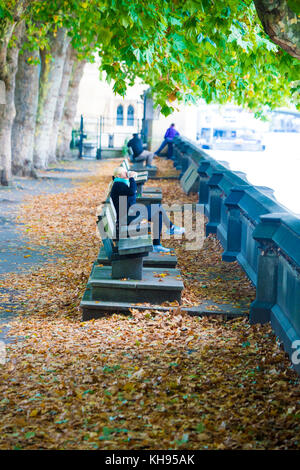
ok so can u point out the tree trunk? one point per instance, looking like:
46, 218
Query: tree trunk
50, 80
69, 113
8, 70
69, 61
26, 102
281, 23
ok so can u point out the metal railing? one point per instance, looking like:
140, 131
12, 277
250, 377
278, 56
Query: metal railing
115, 133
91, 136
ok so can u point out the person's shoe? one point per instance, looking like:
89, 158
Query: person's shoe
160, 249
175, 230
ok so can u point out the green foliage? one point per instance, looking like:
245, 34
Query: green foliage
184, 49
125, 148
294, 5
212, 50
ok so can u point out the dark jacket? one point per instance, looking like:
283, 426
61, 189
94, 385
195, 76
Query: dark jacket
121, 189
137, 146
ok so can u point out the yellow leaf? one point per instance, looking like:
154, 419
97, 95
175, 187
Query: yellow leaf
129, 386
202, 436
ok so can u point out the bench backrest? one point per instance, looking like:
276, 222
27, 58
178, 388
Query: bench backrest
124, 246
125, 164
107, 197
142, 176
107, 227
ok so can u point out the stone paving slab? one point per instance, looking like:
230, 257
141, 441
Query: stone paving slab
97, 309
157, 286
153, 278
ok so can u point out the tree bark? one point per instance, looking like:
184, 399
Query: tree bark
8, 70
69, 61
26, 102
69, 112
281, 24
50, 81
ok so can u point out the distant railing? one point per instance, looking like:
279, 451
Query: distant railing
259, 233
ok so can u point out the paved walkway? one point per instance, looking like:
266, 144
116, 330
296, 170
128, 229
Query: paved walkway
17, 253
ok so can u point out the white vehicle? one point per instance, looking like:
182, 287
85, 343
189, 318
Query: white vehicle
230, 137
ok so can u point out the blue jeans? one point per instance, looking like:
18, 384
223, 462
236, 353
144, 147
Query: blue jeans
158, 216
169, 143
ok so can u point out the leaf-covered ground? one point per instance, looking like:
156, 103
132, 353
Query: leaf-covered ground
145, 381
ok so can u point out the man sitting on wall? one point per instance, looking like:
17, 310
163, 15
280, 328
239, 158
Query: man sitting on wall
139, 153
168, 140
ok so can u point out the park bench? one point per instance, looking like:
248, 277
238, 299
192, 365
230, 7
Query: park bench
127, 273
140, 166
190, 180
142, 173
142, 176
123, 282
144, 195
125, 254
163, 260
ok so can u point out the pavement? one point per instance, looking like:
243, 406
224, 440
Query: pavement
14, 245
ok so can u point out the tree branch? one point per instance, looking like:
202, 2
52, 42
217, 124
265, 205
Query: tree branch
281, 23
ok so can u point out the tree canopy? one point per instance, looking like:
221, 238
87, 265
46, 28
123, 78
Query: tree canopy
184, 49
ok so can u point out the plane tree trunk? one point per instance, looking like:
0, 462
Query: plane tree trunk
50, 82
281, 23
69, 111
8, 70
26, 102
69, 61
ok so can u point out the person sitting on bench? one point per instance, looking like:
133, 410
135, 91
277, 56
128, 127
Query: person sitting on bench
125, 185
139, 153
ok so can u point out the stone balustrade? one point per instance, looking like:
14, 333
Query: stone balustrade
258, 232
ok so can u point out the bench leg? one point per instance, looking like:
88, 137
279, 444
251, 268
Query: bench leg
139, 188
129, 268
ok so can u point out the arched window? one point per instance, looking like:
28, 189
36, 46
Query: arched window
130, 115
120, 118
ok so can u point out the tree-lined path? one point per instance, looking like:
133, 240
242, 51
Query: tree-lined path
151, 379
18, 253
144, 381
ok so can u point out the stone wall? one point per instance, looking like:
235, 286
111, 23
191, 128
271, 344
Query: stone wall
259, 233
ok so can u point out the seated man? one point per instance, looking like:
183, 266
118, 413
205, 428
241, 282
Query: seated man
168, 140
139, 154
125, 185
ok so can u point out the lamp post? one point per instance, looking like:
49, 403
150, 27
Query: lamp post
81, 137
